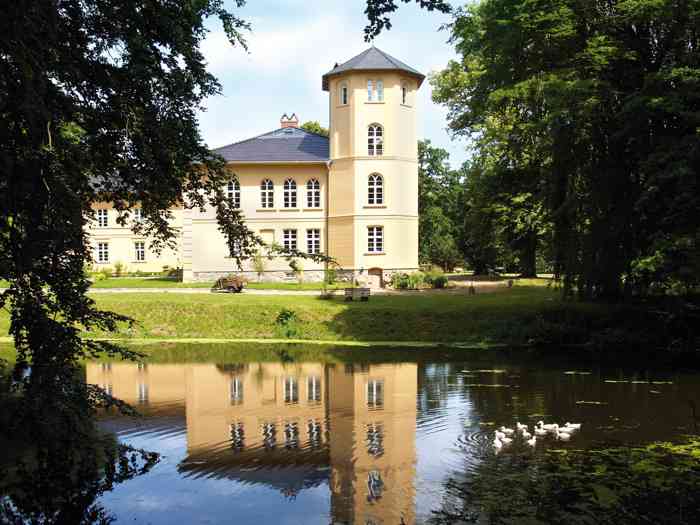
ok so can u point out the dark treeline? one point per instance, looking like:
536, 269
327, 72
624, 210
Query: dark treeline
584, 117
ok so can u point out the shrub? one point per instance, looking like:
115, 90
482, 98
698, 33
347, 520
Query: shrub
119, 268
405, 281
415, 280
440, 282
259, 264
331, 276
286, 316
106, 272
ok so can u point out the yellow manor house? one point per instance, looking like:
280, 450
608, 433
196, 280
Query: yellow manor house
352, 196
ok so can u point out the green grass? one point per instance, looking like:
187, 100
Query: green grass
480, 319
165, 282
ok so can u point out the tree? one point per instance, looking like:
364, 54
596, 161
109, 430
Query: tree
440, 207
314, 126
595, 106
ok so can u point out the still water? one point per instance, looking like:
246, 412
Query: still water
363, 439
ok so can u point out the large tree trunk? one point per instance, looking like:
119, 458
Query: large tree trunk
528, 256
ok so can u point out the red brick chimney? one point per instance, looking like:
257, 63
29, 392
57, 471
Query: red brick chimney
289, 122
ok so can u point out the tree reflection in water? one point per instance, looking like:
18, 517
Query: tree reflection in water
62, 464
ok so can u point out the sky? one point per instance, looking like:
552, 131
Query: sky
292, 44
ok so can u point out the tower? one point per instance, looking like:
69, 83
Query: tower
373, 174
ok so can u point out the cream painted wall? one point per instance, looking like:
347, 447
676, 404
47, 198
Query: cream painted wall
121, 241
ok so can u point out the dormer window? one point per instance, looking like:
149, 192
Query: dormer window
343, 94
375, 140
375, 91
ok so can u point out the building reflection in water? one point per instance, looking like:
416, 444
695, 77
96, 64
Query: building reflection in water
290, 427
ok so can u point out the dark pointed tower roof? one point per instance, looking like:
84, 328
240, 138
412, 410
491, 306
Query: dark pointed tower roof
372, 59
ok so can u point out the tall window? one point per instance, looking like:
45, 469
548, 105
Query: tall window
143, 393
313, 389
290, 193
313, 241
404, 93
375, 189
343, 93
375, 239
313, 194
375, 91
269, 435
233, 193
315, 433
236, 391
102, 218
138, 215
237, 436
291, 435
375, 439
291, 390
102, 252
375, 393
140, 251
289, 239
267, 194
375, 140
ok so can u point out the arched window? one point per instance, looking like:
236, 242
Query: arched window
313, 194
375, 140
290, 193
404, 93
375, 189
267, 194
343, 94
233, 193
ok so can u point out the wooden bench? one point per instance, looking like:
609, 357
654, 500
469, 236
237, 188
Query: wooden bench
357, 293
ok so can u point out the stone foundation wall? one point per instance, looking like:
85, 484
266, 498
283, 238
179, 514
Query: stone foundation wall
310, 276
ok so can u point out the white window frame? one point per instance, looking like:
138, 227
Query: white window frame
375, 90
236, 392
142, 393
267, 194
313, 241
375, 239
103, 218
102, 252
289, 239
375, 189
290, 194
375, 393
233, 194
313, 389
343, 94
313, 193
291, 389
375, 140
140, 251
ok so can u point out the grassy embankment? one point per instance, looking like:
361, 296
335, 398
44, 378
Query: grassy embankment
480, 319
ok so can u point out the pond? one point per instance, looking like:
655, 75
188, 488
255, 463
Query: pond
364, 437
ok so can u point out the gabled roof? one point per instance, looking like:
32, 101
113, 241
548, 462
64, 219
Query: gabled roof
280, 145
373, 59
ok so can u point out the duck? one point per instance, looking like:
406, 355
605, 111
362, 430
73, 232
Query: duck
541, 432
573, 426
554, 429
497, 444
507, 441
564, 436
521, 427
531, 442
549, 427
507, 431
499, 434
526, 434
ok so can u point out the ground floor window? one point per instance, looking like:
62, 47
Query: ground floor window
375, 393
313, 241
102, 252
140, 249
375, 239
289, 239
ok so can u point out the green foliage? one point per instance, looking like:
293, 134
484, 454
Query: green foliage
259, 264
407, 281
315, 127
106, 272
330, 275
657, 483
286, 316
119, 269
584, 119
440, 208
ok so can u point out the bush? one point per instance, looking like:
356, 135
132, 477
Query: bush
106, 272
331, 276
119, 268
286, 316
440, 282
405, 281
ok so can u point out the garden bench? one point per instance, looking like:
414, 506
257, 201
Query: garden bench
357, 293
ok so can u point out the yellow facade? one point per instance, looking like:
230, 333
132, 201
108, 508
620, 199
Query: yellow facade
369, 236
358, 422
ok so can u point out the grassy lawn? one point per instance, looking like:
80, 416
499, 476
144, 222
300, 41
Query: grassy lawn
485, 318
164, 282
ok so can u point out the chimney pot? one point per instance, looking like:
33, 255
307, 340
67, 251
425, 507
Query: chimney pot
289, 122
